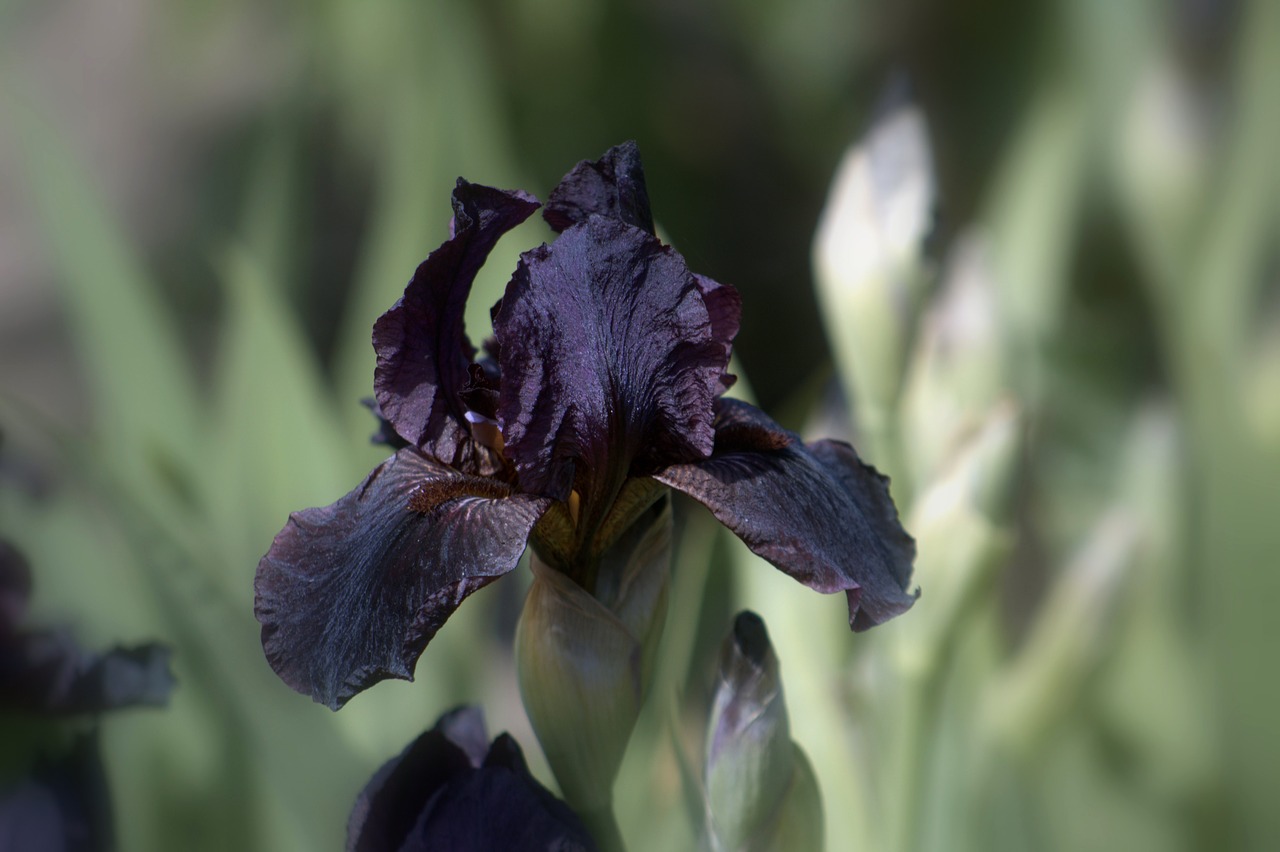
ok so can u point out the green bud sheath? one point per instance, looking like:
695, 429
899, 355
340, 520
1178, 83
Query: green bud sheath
584, 662
761, 791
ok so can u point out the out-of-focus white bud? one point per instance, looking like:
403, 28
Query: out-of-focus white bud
761, 790
584, 662
956, 374
868, 257
1162, 160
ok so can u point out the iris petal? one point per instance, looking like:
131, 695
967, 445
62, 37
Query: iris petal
351, 593
814, 510
610, 363
451, 790
423, 351
724, 308
612, 186
496, 808
389, 805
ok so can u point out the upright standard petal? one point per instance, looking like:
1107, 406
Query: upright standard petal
423, 350
612, 186
351, 593
724, 307
813, 510
610, 364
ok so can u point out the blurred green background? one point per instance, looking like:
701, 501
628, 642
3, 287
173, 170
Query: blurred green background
1070, 364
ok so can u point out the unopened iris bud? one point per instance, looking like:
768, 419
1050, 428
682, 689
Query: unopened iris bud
956, 371
585, 661
869, 259
1162, 161
761, 790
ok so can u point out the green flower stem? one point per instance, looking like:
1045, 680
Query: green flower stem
914, 726
603, 826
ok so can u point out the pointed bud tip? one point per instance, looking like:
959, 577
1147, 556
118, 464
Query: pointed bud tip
751, 638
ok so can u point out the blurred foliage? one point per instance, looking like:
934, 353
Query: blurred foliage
1081, 423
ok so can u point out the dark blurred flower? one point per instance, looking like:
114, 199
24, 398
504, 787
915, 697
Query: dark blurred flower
450, 790
47, 672
601, 386
62, 806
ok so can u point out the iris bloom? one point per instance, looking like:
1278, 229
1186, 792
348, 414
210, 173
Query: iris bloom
453, 789
63, 802
600, 390
45, 671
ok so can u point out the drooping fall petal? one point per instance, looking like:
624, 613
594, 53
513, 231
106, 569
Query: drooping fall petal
813, 510
351, 593
423, 350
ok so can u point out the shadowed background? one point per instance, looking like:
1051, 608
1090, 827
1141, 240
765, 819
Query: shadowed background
204, 206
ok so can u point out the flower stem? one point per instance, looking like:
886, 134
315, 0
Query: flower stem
603, 826
915, 724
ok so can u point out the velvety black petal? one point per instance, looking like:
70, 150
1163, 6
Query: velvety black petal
724, 308
496, 808
815, 511
609, 362
350, 594
390, 804
612, 186
63, 807
423, 349
386, 433
451, 790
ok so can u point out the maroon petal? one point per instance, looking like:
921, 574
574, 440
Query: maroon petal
389, 805
610, 364
451, 790
497, 808
813, 510
350, 594
612, 186
724, 307
423, 349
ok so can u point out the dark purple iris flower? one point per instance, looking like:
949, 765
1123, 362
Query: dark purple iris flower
46, 672
63, 803
601, 388
452, 789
